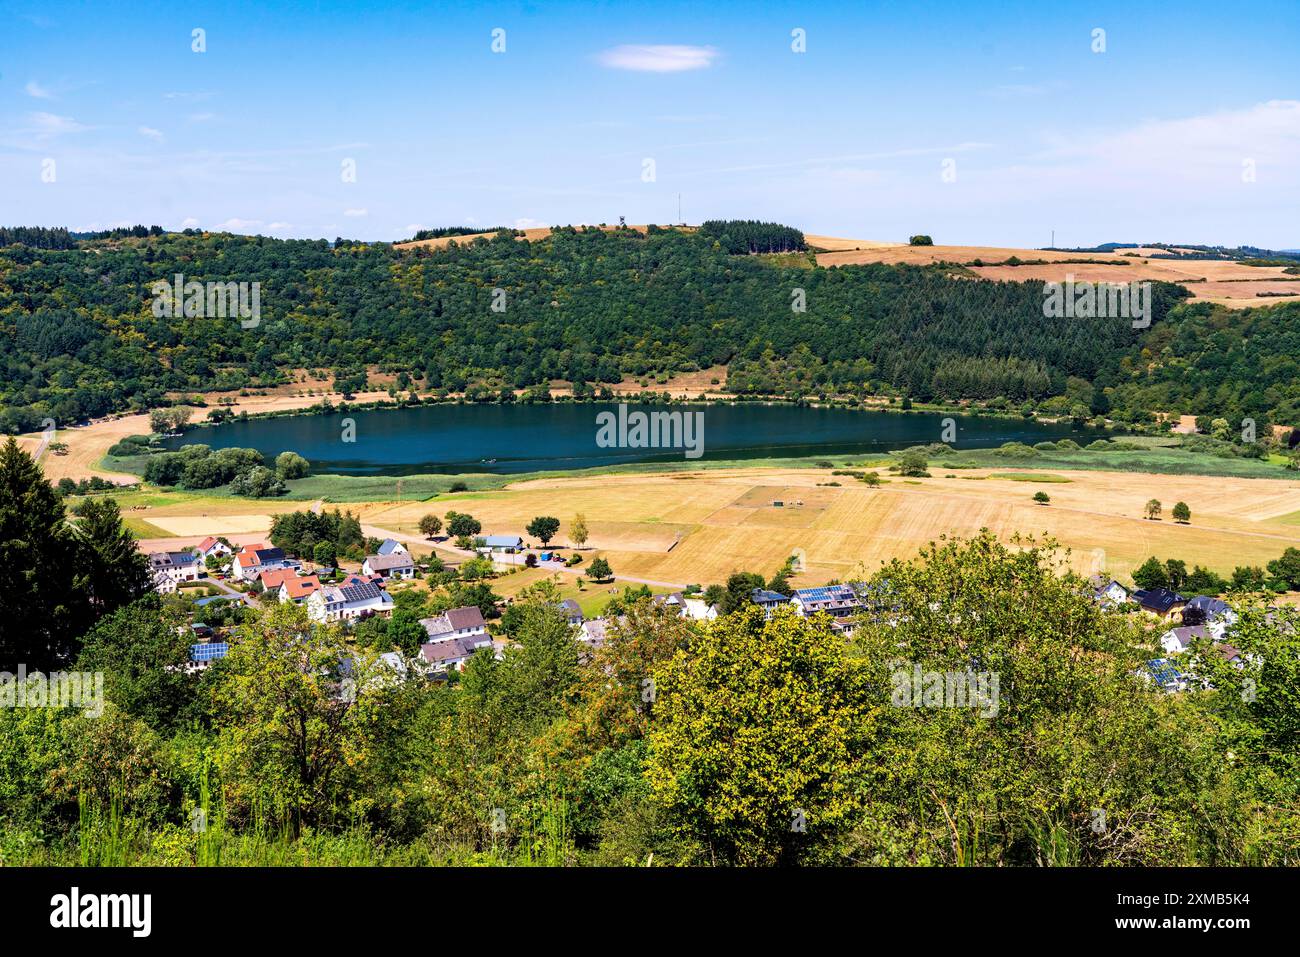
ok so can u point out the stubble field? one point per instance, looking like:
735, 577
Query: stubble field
700, 527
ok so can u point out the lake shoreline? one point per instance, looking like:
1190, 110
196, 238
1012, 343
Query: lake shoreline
459, 438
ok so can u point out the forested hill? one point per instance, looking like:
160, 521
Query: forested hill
589, 306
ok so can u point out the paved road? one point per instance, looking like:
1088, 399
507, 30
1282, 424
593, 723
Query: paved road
221, 586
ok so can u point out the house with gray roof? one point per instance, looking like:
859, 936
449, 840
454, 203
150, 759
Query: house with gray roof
571, 610
466, 622
392, 565
353, 599
507, 544
450, 655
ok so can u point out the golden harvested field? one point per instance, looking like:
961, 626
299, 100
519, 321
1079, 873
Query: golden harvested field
925, 255
1082, 272
537, 232
837, 244
193, 525
700, 527
1232, 284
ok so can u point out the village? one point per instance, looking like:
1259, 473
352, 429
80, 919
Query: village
258, 573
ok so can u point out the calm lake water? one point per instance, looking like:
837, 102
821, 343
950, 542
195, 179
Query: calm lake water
450, 439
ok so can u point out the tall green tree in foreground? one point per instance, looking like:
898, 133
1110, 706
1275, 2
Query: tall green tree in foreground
114, 571
42, 602
1073, 759
304, 716
759, 738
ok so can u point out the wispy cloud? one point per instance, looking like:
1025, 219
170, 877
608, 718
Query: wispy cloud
51, 124
237, 225
668, 58
39, 92
1268, 132
356, 213
148, 132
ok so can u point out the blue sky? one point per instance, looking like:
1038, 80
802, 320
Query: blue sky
1186, 128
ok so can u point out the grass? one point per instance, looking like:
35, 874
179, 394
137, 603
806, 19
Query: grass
591, 598
142, 529
1153, 458
1026, 477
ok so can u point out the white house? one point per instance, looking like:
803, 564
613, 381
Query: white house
769, 601
698, 609
688, 606
595, 632
507, 544
836, 600
392, 565
353, 599
1215, 613
466, 622
298, 589
1177, 640
213, 546
391, 546
439, 656
163, 584
252, 560
1109, 594
173, 568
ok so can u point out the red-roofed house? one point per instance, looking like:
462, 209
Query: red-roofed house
297, 590
213, 546
271, 579
253, 560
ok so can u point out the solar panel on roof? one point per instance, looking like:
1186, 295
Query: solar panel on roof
1164, 673
360, 592
209, 650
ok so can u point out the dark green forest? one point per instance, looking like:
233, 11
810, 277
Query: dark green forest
592, 306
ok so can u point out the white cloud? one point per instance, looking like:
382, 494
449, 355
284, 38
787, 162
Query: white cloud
277, 227
235, 224
525, 223
148, 132
50, 124
189, 222
669, 58
356, 213
1267, 132
35, 89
